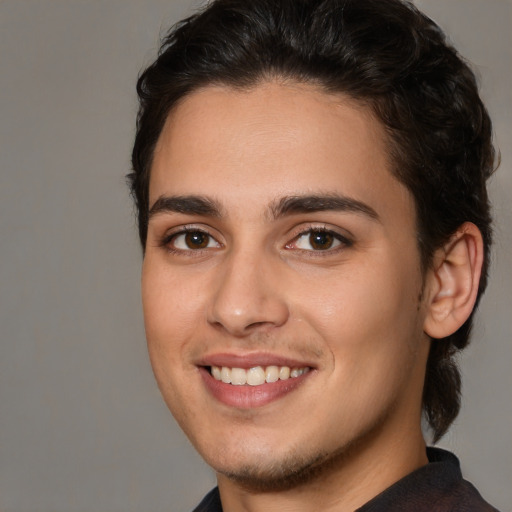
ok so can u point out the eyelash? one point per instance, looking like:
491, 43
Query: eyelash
344, 242
168, 240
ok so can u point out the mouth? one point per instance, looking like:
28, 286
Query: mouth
257, 375
252, 382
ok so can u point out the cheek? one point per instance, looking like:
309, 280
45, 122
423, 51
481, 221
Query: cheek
171, 318
371, 328
367, 315
169, 302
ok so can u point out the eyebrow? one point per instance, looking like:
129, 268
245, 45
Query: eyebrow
191, 205
318, 203
289, 205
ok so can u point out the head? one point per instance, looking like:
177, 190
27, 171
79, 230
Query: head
384, 56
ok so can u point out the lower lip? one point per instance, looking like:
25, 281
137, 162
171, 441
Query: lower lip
248, 397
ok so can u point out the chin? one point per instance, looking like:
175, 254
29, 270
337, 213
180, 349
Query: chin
271, 471
267, 469
279, 474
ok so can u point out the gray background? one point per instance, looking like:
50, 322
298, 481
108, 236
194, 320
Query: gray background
82, 425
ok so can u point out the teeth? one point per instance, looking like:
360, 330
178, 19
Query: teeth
238, 376
217, 374
284, 372
225, 375
255, 376
272, 374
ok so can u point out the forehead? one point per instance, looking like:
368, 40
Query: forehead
272, 140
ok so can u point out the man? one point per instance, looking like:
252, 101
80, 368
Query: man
310, 182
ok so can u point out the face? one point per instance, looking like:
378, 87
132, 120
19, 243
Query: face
281, 280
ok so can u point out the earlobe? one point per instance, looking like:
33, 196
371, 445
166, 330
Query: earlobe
454, 281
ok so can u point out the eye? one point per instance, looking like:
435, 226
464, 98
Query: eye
191, 240
318, 240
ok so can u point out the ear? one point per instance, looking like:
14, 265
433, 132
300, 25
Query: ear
453, 281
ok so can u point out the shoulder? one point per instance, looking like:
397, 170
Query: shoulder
438, 486
459, 495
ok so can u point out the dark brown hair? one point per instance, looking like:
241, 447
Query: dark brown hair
384, 53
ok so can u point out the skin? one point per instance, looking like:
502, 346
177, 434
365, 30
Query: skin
355, 313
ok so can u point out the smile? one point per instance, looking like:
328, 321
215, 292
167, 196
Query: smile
256, 385
255, 376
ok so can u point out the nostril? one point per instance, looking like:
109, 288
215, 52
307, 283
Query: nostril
255, 325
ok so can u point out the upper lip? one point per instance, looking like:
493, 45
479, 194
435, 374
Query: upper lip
250, 360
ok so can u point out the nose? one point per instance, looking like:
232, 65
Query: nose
247, 297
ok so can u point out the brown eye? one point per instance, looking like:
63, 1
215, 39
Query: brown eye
321, 240
196, 240
192, 241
